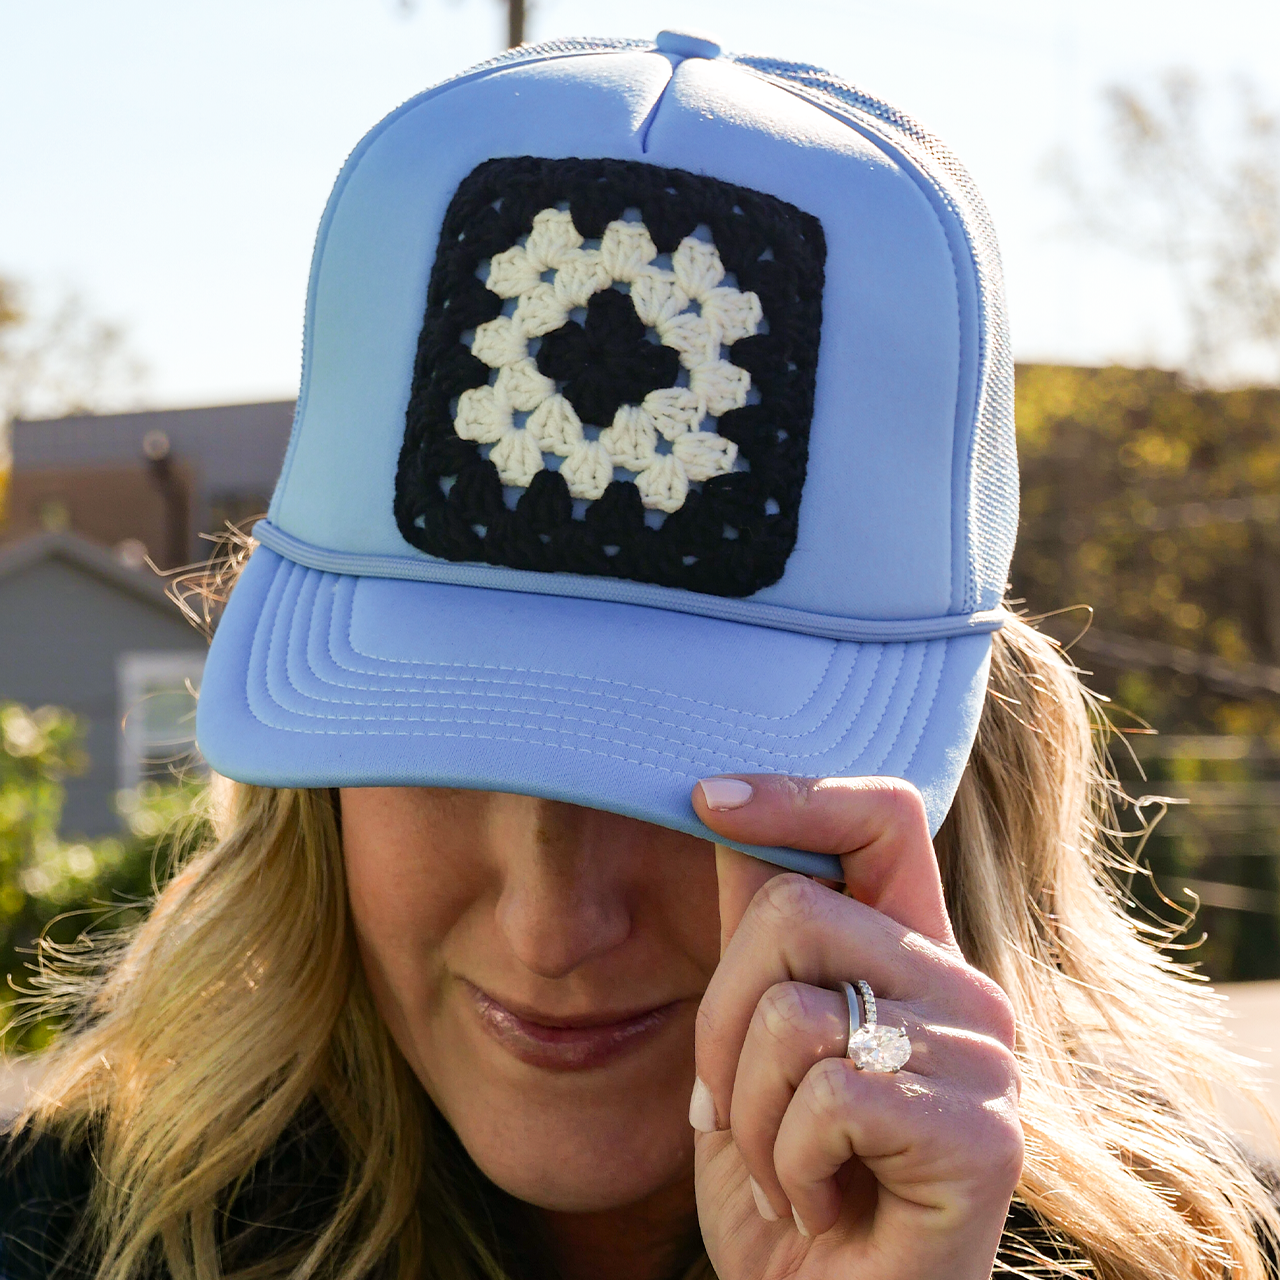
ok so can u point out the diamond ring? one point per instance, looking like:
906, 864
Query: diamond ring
872, 1046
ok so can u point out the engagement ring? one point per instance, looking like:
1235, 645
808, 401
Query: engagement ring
872, 1046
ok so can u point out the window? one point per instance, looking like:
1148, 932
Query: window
157, 693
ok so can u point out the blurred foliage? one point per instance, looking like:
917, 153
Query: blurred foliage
1158, 505
55, 888
1140, 499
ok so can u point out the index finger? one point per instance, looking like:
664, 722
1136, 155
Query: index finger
738, 878
876, 826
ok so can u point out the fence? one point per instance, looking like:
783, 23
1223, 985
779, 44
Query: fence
1216, 851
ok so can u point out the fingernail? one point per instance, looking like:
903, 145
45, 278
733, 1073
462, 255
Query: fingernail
725, 793
763, 1207
799, 1225
702, 1108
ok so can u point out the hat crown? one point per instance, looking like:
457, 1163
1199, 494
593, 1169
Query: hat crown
655, 422
909, 504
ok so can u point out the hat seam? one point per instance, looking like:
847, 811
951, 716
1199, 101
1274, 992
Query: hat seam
933, 698
836, 700
884, 710
652, 115
604, 680
744, 612
907, 715
569, 676
534, 740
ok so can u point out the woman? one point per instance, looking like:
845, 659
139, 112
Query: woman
520, 950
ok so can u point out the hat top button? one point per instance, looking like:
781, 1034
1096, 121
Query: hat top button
687, 44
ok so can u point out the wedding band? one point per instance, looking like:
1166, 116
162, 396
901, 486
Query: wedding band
872, 1046
855, 1017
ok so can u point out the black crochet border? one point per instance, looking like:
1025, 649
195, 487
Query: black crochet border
734, 533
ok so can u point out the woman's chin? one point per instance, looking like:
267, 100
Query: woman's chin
582, 1172
575, 1118
576, 1150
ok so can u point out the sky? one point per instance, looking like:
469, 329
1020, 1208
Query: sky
169, 161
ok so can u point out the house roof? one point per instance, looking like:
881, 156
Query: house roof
86, 556
234, 447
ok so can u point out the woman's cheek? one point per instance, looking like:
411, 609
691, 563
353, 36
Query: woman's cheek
425, 914
408, 889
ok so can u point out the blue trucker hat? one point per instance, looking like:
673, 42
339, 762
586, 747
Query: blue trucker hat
656, 422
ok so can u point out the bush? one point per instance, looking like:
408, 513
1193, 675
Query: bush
52, 891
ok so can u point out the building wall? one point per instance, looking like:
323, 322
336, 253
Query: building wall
109, 505
62, 629
227, 456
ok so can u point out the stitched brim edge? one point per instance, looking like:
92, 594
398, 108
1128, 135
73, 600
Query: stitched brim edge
317, 679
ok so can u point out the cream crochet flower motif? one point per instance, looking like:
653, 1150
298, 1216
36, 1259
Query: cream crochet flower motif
688, 307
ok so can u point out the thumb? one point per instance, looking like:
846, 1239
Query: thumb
740, 878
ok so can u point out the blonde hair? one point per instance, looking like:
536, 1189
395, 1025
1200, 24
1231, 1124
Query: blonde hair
241, 1001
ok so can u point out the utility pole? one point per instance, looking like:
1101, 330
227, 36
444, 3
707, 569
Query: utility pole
516, 11
515, 23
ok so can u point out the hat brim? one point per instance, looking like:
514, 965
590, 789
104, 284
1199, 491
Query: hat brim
326, 680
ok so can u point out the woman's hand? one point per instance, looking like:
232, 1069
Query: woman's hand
903, 1176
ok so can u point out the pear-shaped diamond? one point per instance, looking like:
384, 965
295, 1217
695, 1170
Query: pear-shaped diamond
879, 1048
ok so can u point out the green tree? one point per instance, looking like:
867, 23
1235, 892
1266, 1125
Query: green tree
38, 749
52, 890
1151, 520
1158, 505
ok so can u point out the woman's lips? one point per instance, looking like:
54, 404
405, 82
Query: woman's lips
566, 1044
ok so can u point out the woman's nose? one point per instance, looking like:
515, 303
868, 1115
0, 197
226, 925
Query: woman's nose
563, 902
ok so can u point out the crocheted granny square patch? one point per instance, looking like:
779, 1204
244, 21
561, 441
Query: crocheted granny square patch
615, 376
